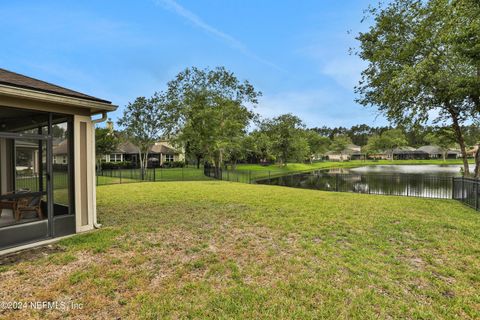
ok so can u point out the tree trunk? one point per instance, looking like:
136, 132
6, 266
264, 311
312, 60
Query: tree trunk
477, 163
460, 140
476, 101
198, 161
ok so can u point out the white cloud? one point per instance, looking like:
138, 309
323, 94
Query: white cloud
194, 19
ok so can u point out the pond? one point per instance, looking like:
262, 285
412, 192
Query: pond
429, 181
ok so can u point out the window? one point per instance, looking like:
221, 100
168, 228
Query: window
116, 157
169, 158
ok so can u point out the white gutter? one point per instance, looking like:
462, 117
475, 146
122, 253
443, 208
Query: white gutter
94, 122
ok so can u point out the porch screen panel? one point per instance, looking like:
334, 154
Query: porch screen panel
62, 184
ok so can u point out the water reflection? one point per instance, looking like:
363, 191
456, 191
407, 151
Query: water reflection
430, 181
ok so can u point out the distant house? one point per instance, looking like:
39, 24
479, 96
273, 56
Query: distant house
162, 152
351, 152
472, 152
60, 153
435, 152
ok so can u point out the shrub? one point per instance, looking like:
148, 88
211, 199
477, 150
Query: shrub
174, 164
116, 165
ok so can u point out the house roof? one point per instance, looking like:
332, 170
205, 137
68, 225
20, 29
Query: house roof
13, 79
431, 149
61, 148
130, 148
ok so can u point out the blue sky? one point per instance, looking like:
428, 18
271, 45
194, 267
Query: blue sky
295, 52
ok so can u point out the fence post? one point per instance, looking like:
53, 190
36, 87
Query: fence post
476, 195
183, 175
249, 176
154, 174
336, 182
408, 186
453, 187
463, 188
120, 175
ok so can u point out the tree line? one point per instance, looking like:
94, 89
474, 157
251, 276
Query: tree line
423, 64
423, 68
210, 114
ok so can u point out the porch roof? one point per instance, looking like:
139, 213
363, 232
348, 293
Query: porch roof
18, 80
17, 85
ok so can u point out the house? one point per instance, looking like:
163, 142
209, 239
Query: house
351, 152
160, 153
37, 201
473, 151
435, 152
60, 153
408, 153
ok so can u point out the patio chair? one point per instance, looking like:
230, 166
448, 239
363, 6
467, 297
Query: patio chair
29, 204
8, 204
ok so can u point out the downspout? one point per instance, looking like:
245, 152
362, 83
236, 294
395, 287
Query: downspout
96, 225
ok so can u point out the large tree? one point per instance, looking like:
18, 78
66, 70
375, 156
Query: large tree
209, 110
106, 142
143, 122
387, 141
340, 143
414, 71
444, 138
317, 144
286, 133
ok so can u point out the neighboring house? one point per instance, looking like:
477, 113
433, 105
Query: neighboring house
161, 153
351, 152
408, 153
472, 152
435, 152
60, 153
50, 204
26, 156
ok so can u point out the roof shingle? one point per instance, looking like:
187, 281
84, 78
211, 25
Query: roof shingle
13, 79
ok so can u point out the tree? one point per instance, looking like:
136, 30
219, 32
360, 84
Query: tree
209, 110
465, 36
387, 141
287, 138
106, 142
317, 144
340, 143
444, 138
413, 69
258, 147
143, 122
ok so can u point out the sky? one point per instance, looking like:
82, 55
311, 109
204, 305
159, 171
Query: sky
295, 52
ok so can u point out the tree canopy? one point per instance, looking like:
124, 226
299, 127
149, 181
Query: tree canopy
417, 67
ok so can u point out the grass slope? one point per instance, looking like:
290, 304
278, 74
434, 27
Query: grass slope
224, 250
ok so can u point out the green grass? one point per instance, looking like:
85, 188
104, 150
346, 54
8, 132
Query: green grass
158, 174
216, 249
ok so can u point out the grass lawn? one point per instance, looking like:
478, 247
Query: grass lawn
216, 249
158, 174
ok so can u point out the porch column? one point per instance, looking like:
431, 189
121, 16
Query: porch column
6, 165
84, 166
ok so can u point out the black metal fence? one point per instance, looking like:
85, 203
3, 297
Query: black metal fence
439, 187
467, 190
121, 176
